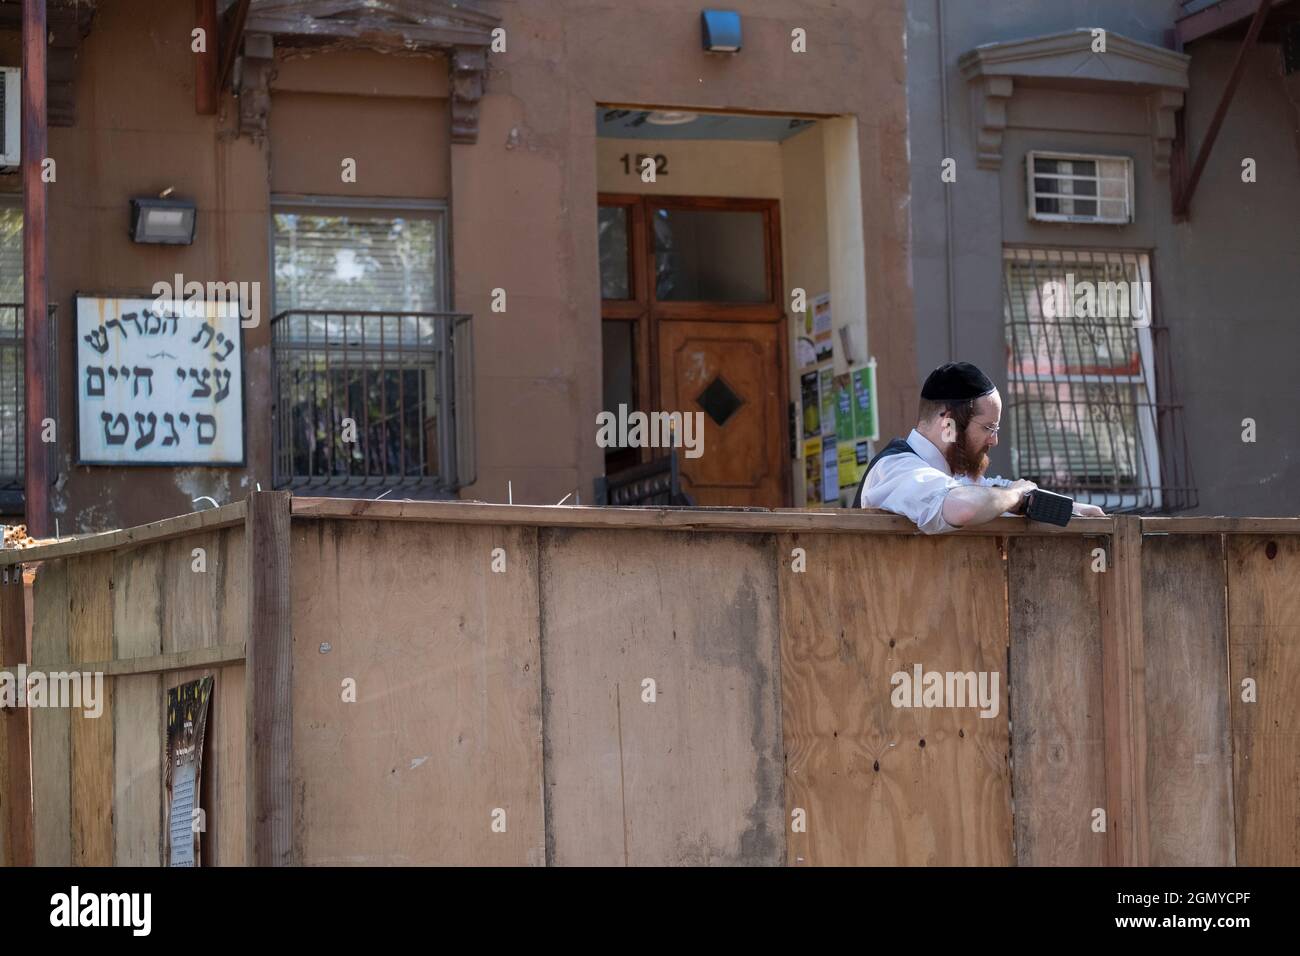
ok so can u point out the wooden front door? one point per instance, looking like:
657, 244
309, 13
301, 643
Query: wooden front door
730, 371
696, 283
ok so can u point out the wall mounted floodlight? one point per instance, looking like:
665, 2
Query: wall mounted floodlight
721, 30
167, 221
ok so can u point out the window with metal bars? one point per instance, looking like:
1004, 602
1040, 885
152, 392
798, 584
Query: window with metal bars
372, 378
1082, 411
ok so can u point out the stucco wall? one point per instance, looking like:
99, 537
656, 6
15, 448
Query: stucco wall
1226, 279
522, 199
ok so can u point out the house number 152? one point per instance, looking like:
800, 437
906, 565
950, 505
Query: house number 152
635, 165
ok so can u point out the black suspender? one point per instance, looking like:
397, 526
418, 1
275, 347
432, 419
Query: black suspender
898, 446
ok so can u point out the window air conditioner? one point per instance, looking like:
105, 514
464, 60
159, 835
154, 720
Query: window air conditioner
10, 116
1078, 187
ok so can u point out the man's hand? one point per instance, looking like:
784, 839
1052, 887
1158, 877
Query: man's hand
969, 505
1082, 510
1024, 487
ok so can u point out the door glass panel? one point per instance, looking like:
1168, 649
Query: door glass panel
612, 228
709, 255
617, 342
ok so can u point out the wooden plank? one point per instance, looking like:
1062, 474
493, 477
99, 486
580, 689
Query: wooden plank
446, 726
269, 677
51, 743
886, 785
694, 777
1057, 735
227, 753
178, 660
1152, 526
16, 840
1264, 646
204, 608
853, 521
137, 602
90, 637
1124, 699
1189, 755
137, 767
224, 517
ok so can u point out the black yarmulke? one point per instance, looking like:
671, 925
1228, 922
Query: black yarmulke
956, 382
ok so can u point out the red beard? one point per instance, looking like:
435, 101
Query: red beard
965, 460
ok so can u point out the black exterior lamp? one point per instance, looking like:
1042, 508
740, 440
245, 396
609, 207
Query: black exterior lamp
166, 221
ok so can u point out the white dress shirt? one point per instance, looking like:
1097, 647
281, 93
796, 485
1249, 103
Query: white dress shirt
915, 485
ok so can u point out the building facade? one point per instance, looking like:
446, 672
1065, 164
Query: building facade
437, 248
418, 198
1184, 407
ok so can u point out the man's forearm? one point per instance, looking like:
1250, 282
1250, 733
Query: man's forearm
975, 504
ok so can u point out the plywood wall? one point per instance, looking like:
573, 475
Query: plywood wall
661, 673
882, 784
1264, 649
1058, 754
98, 781
522, 695
444, 737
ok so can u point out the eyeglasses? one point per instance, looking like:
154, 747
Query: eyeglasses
991, 429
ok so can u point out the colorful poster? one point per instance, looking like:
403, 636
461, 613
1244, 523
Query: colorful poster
830, 474
826, 386
811, 405
821, 312
866, 416
850, 470
187, 718
844, 410
812, 471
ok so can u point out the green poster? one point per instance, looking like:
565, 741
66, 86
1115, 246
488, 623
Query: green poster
866, 417
844, 413
826, 386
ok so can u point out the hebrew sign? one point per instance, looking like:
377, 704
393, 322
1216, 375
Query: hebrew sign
158, 386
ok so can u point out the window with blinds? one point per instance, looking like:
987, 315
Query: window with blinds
1081, 409
361, 346
356, 259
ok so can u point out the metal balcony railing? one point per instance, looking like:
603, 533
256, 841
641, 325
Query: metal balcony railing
371, 402
13, 403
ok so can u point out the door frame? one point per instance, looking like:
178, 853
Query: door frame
647, 311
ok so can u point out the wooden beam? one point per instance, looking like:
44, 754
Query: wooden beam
1234, 78
210, 520
192, 659
269, 682
36, 328
15, 724
237, 19
759, 521
206, 63
1124, 699
1212, 17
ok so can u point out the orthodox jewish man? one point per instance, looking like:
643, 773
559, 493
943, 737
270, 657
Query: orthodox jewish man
935, 476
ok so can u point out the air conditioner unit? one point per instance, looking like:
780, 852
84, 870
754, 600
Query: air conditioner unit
10, 115
1079, 187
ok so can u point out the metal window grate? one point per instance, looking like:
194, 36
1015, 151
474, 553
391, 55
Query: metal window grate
369, 401
13, 404
1085, 412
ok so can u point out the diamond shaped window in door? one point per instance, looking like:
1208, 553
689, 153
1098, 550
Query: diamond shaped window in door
719, 401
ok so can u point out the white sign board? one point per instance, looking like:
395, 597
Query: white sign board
157, 385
